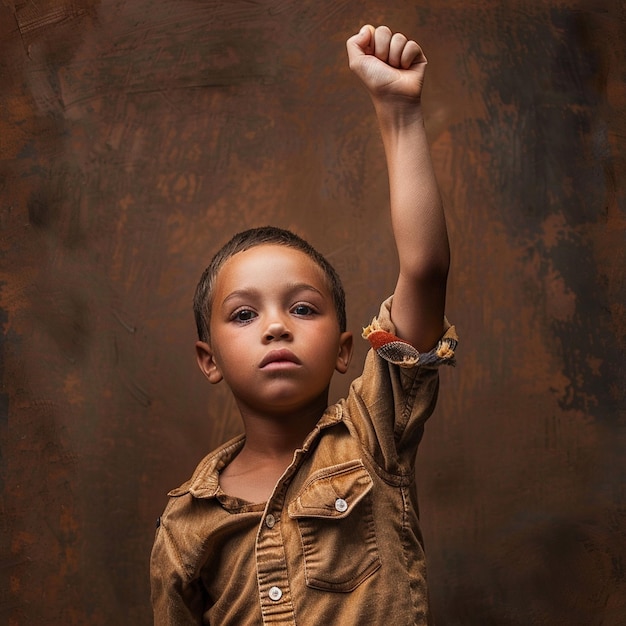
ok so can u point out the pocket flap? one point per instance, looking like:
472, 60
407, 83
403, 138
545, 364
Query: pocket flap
332, 492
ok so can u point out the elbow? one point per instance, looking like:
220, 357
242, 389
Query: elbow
431, 270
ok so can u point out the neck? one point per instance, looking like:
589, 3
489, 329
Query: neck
272, 435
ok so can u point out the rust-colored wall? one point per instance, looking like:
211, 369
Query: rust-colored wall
136, 136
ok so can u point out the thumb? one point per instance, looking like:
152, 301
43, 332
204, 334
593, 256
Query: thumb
361, 43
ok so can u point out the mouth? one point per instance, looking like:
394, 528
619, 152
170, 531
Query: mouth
279, 357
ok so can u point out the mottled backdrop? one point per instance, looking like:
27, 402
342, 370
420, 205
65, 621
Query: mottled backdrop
137, 135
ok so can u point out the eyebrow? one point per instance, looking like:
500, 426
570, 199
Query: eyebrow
252, 291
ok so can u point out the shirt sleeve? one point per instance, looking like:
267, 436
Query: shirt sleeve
177, 599
396, 393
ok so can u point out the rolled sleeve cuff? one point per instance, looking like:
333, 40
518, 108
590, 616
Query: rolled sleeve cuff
381, 335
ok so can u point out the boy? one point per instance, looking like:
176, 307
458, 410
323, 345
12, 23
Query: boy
310, 518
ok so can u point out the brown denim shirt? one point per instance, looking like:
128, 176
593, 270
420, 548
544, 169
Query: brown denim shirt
338, 542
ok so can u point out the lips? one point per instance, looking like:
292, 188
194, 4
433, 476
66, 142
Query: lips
279, 356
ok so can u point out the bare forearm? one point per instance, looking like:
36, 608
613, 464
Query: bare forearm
416, 208
419, 225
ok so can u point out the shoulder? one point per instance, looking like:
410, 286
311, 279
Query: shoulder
190, 516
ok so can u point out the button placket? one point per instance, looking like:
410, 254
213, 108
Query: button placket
272, 580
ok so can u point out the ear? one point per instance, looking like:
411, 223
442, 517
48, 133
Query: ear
345, 352
206, 362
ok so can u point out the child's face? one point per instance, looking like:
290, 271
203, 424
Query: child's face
275, 337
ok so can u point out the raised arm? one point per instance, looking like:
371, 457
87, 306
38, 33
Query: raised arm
392, 68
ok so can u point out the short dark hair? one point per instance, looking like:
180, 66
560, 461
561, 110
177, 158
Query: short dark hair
266, 235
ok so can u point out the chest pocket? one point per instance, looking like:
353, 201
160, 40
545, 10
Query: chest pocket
336, 523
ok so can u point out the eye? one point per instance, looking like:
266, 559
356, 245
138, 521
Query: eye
303, 310
243, 315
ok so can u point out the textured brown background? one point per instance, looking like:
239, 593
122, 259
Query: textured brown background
137, 135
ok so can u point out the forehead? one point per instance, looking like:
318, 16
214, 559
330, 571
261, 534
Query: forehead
268, 265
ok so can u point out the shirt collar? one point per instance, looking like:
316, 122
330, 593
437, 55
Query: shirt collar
204, 482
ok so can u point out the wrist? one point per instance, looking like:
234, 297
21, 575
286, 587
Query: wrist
398, 112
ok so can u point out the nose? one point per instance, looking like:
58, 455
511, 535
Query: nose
277, 329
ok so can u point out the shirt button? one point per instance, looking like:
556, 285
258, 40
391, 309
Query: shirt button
341, 505
270, 520
275, 594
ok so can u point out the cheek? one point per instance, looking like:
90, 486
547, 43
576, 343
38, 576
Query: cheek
328, 348
232, 347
